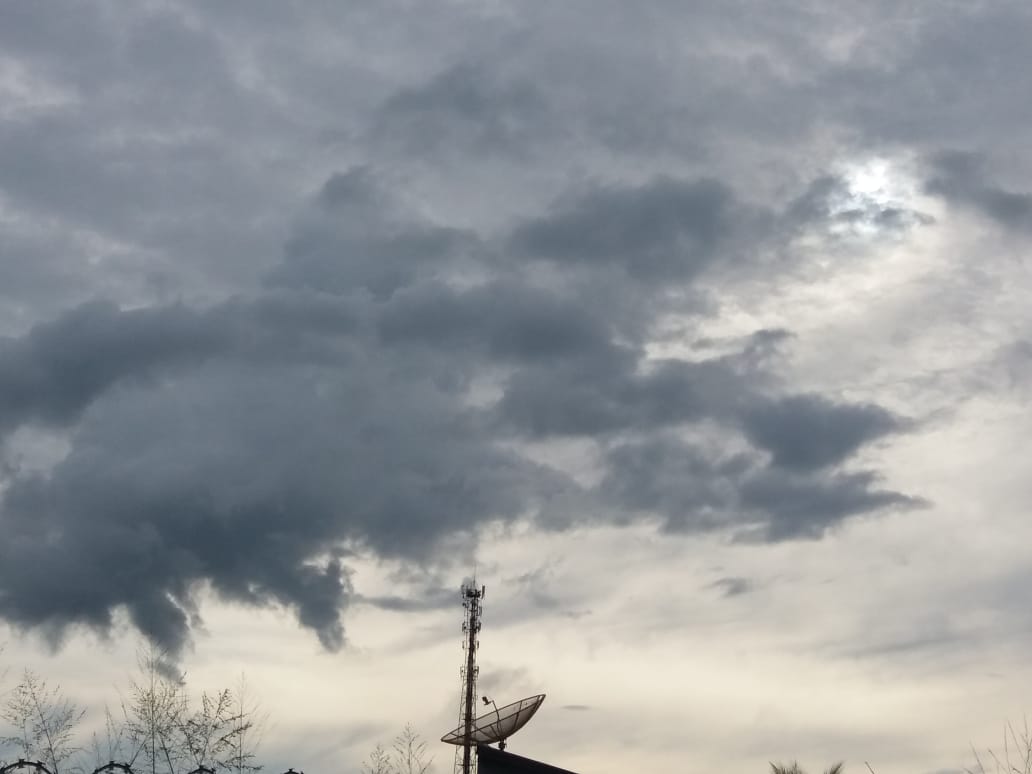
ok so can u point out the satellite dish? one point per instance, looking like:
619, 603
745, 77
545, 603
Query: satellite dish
499, 724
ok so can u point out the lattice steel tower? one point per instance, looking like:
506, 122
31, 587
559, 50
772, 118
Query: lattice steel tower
472, 602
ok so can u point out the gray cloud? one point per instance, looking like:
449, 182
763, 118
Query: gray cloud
355, 239
245, 478
52, 373
249, 445
369, 387
468, 108
505, 320
433, 599
616, 391
695, 488
828, 203
282, 284
733, 586
262, 436
806, 505
665, 229
808, 431
961, 178
57, 369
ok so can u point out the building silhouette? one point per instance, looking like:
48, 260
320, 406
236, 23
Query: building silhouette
493, 761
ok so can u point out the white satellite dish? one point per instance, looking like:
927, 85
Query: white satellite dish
499, 724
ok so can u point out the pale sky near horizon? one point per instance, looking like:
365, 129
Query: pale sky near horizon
701, 330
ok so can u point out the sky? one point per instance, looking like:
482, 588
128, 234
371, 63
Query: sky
698, 331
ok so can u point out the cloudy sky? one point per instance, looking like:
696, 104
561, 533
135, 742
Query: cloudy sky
701, 330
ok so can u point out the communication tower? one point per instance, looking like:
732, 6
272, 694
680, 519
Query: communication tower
472, 602
491, 727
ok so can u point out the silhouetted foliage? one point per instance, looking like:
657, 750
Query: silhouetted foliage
378, 762
1016, 755
408, 755
43, 721
110, 746
154, 713
243, 733
167, 736
155, 729
793, 768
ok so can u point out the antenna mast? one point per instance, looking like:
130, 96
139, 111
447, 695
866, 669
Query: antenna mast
472, 599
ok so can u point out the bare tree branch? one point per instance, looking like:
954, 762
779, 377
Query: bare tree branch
44, 721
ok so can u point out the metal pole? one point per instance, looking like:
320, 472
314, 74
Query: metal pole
498, 721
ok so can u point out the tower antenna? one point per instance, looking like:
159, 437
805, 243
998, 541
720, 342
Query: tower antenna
472, 602
491, 727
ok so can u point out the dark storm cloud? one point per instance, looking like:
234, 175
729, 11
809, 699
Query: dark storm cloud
506, 320
694, 487
691, 488
808, 431
719, 80
961, 178
355, 240
950, 80
666, 229
464, 288
601, 395
134, 149
613, 394
246, 478
51, 374
249, 445
794, 505
57, 369
468, 108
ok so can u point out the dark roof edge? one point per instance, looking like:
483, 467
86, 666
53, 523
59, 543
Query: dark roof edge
507, 761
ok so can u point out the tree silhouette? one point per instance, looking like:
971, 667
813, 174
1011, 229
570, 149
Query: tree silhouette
44, 721
378, 762
793, 768
410, 752
407, 755
154, 713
